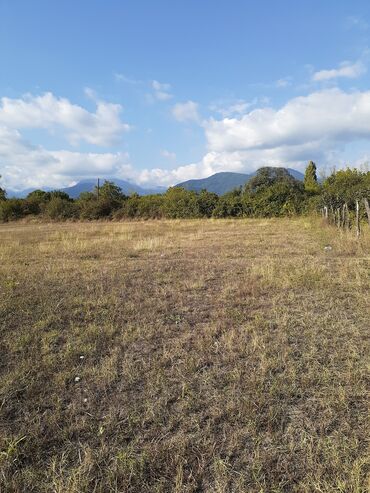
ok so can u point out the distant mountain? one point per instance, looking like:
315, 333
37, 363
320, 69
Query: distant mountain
21, 194
89, 185
296, 174
127, 187
219, 183
226, 181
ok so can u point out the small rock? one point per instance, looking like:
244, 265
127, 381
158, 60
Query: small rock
85, 400
328, 248
82, 357
77, 379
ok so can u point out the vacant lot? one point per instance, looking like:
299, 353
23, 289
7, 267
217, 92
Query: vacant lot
187, 356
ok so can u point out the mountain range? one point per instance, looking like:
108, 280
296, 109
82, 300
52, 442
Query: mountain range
219, 183
88, 186
224, 182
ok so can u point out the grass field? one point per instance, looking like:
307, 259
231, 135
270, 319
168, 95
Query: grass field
220, 356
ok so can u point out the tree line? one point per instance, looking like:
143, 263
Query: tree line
342, 198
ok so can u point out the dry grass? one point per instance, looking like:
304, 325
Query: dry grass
211, 356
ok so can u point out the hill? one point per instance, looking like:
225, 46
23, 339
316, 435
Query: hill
226, 181
127, 187
219, 183
88, 186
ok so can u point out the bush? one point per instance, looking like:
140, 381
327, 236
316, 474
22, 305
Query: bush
11, 209
95, 209
60, 209
180, 203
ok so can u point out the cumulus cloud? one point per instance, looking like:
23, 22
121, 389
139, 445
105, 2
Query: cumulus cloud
284, 82
324, 115
231, 108
25, 165
317, 126
168, 154
186, 112
346, 69
128, 80
102, 127
161, 90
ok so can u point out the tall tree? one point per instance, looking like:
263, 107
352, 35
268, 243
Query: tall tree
2, 193
310, 178
109, 190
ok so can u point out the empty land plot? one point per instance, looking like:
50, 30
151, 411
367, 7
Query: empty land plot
183, 356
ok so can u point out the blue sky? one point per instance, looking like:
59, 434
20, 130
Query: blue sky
162, 91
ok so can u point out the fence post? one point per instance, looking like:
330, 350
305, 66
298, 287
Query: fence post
358, 228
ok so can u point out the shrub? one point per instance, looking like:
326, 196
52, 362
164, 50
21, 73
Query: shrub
60, 209
11, 209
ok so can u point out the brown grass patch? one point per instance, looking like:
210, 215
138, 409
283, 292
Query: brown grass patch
183, 356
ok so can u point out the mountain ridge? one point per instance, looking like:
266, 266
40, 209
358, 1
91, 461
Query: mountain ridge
226, 181
220, 183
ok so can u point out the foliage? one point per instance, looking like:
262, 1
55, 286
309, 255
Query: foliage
271, 192
11, 209
230, 205
102, 202
2, 193
109, 191
60, 208
346, 186
268, 176
310, 178
180, 203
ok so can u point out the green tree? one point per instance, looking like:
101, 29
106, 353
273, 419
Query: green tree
101, 202
180, 203
343, 192
39, 195
11, 209
111, 191
231, 204
60, 208
267, 176
207, 202
36, 201
310, 178
59, 194
2, 193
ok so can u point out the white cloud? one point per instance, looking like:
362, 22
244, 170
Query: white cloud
324, 115
24, 165
186, 112
102, 127
161, 91
168, 154
231, 108
284, 82
317, 126
128, 80
346, 69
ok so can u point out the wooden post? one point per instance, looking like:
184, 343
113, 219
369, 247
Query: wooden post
358, 228
345, 216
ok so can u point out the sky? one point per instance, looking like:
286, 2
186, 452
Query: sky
161, 91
